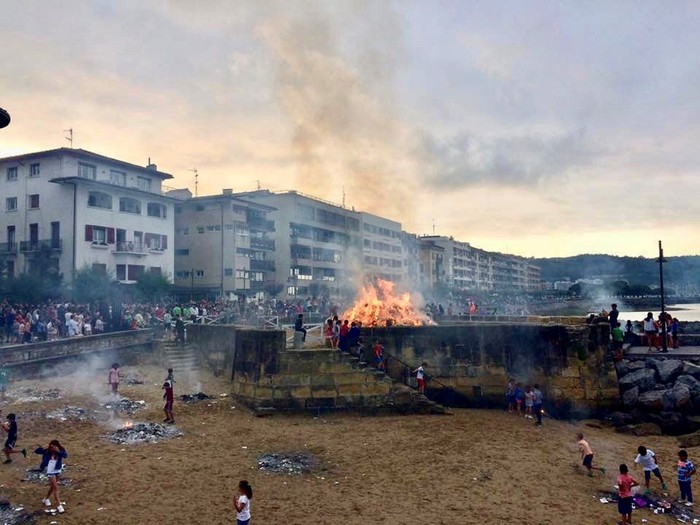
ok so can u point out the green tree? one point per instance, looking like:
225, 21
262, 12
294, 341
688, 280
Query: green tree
153, 286
91, 285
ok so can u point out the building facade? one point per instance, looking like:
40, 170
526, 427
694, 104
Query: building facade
224, 245
382, 248
85, 210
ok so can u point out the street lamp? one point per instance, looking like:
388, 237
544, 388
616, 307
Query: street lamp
661, 261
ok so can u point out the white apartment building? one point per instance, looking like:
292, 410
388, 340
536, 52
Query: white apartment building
318, 244
382, 248
87, 209
224, 245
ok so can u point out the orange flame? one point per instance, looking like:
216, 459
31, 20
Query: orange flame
378, 304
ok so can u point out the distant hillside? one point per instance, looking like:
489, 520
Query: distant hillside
681, 271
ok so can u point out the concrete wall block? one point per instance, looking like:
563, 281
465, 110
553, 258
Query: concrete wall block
323, 392
303, 392
354, 390
377, 389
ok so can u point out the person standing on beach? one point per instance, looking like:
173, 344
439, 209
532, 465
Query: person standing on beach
587, 456
519, 396
169, 400
686, 469
650, 330
510, 395
114, 378
537, 404
241, 502
529, 402
52, 463
647, 459
625, 482
10, 426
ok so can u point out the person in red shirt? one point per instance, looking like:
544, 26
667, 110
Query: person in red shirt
625, 482
169, 399
378, 355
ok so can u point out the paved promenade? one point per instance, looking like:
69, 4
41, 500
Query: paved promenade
683, 351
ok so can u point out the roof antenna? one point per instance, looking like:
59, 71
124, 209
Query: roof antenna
196, 180
343, 195
433, 226
69, 138
258, 181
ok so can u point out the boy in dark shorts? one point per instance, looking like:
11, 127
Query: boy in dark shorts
587, 455
169, 399
625, 482
10, 426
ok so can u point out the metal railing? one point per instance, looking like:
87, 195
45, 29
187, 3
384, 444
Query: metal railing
8, 247
32, 246
129, 247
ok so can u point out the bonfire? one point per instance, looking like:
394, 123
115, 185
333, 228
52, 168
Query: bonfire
378, 304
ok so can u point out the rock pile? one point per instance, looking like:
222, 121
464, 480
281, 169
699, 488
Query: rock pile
665, 392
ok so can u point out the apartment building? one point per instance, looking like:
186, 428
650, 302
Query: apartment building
224, 245
84, 209
319, 245
382, 248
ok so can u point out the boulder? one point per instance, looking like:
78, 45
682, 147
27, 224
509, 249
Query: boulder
691, 369
689, 440
629, 398
656, 400
622, 367
643, 379
692, 384
668, 369
670, 422
680, 394
620, 419
643, 429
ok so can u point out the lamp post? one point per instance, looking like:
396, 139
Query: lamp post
661, 261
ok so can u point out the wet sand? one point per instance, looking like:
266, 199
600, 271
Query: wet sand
393, 470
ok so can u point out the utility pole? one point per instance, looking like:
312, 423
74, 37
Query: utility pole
661, 261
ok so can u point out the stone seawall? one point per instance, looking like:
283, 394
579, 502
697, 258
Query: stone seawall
571, 362
39, 359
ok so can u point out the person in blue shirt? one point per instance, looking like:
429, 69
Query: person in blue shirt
685, 471
519, 396
52, 463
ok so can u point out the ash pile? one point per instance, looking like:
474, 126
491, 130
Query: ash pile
125, 405
143, 433
34, 475
28, 395
10, 515
193, 398
69, 412
287, 463
132, 378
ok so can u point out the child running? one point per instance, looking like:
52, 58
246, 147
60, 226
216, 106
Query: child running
587, 456
625, 482
685, 471
10, 426
52, 463
647, 459
242, 503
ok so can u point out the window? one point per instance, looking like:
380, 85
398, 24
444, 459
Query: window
10, 269
182, 251
87, 171
12, 173
100, 269
99, 235
117, 177
99, 199
135, 272
33, 201
154, 209
11, 234
200, 229
144, 183
34, 170
199, 207
11, 204
129, 205
228, 272
121, 272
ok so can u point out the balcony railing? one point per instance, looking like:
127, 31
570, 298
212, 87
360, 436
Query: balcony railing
8, 247
261, 224
32, 246
256, 264
129, 247
262, 244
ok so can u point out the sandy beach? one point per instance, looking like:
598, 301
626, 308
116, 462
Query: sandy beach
475, 466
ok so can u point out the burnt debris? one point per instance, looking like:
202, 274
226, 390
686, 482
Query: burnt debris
143, 433
294, 463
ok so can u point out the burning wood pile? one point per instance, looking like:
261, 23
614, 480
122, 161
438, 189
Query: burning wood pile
287, 463
125, 405
379, 304
193, 398
137, 433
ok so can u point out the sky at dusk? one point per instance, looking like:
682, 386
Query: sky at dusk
534, 128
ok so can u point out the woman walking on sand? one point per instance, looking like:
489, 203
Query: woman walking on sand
51, 462
242, 502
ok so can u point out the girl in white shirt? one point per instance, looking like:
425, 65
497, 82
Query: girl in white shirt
242, 503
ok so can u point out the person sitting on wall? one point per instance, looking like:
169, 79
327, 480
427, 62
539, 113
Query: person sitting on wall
299, 327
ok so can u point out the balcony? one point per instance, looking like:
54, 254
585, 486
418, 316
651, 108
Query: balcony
126, 248
8, 248
33, 246
262, 244
261, 224
268, 266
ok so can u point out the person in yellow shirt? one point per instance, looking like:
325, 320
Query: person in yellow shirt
587, 455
